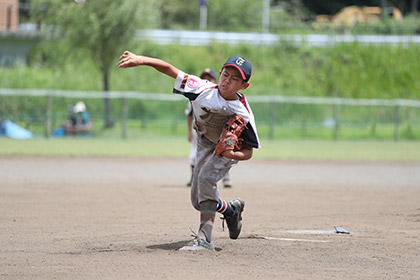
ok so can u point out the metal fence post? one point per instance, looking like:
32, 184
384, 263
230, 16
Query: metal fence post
397, 121
272, 119
271, 101
336, 112
48, 117
124, 117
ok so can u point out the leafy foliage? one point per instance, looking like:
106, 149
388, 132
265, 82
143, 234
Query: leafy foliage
98, 26
345, 70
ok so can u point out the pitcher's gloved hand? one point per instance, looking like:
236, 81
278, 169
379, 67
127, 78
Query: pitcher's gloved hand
229, 138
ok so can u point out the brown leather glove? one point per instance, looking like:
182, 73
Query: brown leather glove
229, 138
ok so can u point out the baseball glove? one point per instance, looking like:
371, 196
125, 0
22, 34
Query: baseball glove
229, 138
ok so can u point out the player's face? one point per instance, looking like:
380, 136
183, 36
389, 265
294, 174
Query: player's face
230, 82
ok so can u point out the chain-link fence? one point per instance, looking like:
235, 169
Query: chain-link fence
277, 117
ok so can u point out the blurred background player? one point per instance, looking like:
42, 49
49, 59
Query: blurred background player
79, 122
210, 76
71, 121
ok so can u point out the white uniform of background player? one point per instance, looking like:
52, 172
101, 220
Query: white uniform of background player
192, 137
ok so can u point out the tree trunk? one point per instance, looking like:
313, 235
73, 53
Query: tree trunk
108, 121
384, 4
414, 6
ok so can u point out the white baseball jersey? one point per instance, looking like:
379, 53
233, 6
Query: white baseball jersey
211, 110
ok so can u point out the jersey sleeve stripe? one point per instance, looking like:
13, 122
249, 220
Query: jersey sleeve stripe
184, 81
243, 101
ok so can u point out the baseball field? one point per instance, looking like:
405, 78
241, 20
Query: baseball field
119, 217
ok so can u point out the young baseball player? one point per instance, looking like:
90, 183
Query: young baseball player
216, 108
210, 76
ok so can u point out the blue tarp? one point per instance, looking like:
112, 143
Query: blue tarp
12, 130
58, 132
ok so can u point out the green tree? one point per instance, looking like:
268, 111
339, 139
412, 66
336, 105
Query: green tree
241, 15
104, 28
179, 14
238, 15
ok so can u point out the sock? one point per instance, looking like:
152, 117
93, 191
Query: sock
207, 215
224, 208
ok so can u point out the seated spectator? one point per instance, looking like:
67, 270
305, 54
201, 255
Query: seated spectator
79, 122
70, 125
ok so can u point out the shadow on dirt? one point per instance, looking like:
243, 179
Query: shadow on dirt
170, 246
174, 246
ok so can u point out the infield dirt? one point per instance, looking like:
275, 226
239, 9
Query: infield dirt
126, 218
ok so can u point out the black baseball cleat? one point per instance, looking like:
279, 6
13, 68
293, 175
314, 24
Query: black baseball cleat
234, 222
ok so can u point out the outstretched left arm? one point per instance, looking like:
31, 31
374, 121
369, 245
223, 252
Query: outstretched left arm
129, 59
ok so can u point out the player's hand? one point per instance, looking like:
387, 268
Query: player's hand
244, 154
129, 59
229, 154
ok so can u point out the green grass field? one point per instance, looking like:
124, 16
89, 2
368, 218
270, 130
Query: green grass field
153, 146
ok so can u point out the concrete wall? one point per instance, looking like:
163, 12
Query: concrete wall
15, 46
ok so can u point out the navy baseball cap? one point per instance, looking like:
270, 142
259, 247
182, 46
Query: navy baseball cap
240, 63
210, 72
